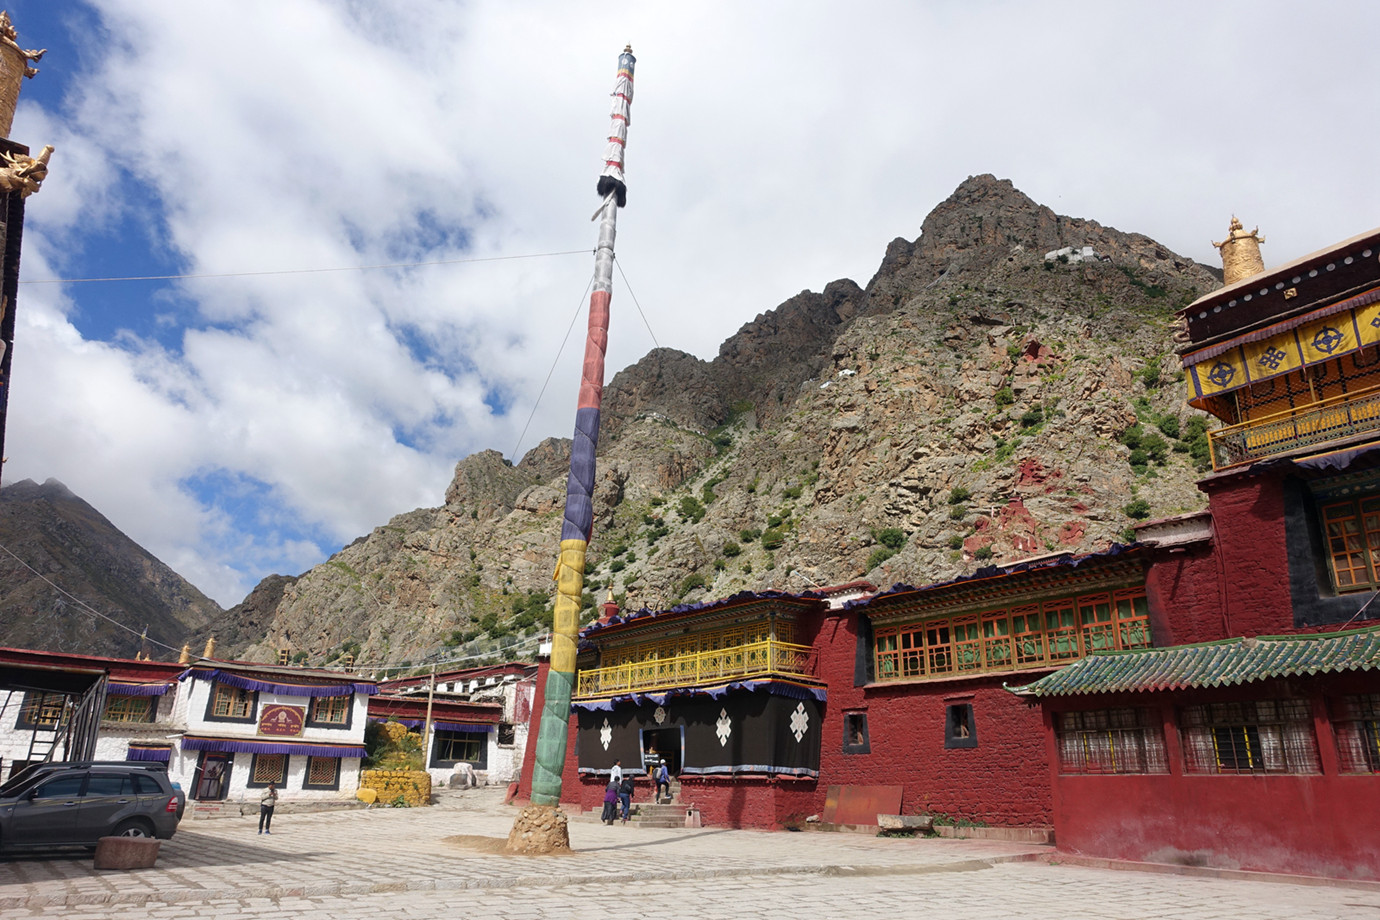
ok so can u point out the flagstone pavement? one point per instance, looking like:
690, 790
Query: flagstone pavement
399, 863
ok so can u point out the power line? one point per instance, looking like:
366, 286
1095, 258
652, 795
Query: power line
554, 362
84, 605
308, 271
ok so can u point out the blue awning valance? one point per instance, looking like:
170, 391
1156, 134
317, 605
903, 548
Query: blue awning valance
267, 686
256, 746
129, 688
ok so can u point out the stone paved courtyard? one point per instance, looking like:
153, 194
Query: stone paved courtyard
400, 863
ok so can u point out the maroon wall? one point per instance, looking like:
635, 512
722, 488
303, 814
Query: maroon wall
1301, 824
1003, 781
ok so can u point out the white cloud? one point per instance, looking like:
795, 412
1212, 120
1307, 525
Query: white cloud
772, 148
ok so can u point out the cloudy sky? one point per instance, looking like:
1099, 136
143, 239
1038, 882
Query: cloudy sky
258, 417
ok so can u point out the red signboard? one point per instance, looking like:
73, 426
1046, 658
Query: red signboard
282, 721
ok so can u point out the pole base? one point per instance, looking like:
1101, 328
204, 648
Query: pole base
539, 829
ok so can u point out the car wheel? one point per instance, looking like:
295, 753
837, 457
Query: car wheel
133, 828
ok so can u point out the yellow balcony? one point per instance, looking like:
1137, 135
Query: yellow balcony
754, 659
1337, 418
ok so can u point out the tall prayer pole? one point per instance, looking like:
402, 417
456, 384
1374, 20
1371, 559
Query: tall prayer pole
579, 490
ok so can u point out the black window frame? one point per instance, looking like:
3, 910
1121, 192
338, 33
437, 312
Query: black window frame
281, 783
959, 715
855, 727
250, 719
23, 721
313, 722
480, 763
306, 774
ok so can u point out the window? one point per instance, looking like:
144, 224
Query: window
64, 787
1029, 636
108, 784
130, 708
452, 747
1356, 722
507, 734
231, 704
959, 728
42, 710
1352, 529
1267, 736
1111, 741
855, 738
322, 773
268, 768
331, 711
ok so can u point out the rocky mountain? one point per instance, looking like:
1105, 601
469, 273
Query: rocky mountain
975, 403
62, 560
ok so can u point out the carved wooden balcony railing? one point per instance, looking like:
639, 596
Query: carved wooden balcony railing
754, 659
1334, 419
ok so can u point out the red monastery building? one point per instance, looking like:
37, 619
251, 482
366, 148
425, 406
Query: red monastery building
1205, 695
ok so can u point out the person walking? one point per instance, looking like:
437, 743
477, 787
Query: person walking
266, 803
616, 774
663, 781
625, 791
610, 803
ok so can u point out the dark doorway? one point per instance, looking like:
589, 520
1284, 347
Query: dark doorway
660, 744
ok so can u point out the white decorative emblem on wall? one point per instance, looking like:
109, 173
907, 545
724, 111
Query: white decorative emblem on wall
606, 735
725, 728
660, 715
800, 722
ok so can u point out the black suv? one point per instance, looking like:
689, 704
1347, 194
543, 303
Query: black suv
76, 804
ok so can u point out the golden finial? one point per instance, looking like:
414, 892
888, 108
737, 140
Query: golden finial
186, 656
1240, 253
210, 648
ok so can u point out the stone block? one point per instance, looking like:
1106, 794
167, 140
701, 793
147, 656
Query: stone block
126, 852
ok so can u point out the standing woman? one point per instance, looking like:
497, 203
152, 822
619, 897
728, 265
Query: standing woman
625, 791
266, 803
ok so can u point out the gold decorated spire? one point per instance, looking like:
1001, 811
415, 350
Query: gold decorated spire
1240, 253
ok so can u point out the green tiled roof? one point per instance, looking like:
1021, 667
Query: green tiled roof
1214, 664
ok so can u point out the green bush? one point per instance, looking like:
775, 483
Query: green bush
1032, 417
748, 534
890, 537
983, 552
1004, 397
958, 512
955, 542
1156, 447
792, 492
690, 583
879, 555
1138, 509
772, 538
1169, 426
691, 509
731, 549
958, 495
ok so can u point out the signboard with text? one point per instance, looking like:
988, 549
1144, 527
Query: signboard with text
282, 721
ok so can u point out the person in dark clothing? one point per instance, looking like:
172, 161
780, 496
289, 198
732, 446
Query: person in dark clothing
625, 791
610, 803
663, 781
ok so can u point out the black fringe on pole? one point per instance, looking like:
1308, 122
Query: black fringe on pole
609, 184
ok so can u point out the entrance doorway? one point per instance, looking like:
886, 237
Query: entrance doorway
660, 744
213, 776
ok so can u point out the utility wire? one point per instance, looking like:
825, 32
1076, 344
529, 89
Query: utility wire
308, 271
619, 263
84, 605
552, 371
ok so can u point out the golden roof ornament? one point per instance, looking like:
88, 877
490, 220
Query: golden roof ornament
24, 174
1240, 253
14, 67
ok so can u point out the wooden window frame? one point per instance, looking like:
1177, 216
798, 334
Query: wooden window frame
122, 708
47, 711
445, 743
1353, 556
339, 712
1028, 636
247, 700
